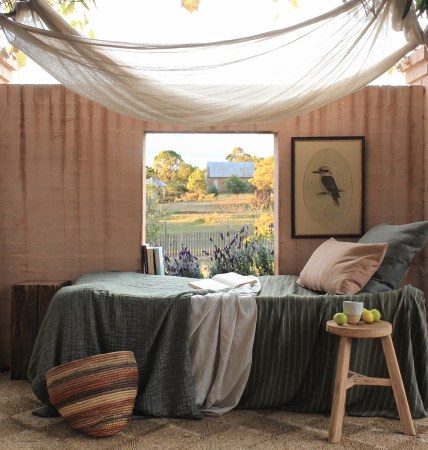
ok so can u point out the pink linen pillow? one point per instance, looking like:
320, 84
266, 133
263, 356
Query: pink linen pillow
341, 267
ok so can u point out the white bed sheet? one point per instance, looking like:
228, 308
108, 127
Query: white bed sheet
221, 343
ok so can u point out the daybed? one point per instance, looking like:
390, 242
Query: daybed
293, 356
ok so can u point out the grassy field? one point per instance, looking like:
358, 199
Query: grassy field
225, 212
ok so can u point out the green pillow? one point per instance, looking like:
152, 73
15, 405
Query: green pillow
404, 242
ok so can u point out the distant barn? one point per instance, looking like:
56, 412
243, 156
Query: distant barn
157, 183
219, 172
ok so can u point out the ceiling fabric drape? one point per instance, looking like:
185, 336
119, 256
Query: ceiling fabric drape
254, 79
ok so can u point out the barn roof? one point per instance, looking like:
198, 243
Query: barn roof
226, 169
156, 182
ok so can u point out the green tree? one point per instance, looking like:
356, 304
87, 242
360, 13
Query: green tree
167, 164
197, 181
150, 172
183, 174
156, 213
75, 9
263, 179
235, 185
421, 7
238, 155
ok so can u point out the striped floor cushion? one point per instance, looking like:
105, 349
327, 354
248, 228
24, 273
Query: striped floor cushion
95, 395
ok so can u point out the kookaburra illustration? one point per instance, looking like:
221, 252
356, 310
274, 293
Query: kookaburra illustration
328, 184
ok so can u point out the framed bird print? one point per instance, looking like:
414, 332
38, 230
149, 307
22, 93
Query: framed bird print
327, 186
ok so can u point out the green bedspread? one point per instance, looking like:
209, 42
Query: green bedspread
106, 312
293, 356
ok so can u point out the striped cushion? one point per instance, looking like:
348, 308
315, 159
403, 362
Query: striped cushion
95, 395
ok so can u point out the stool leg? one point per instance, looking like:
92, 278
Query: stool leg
397, 386
339, 394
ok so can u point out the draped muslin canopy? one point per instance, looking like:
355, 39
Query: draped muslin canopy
264, 77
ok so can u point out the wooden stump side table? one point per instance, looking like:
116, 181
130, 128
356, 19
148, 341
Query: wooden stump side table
30, 301
346, 379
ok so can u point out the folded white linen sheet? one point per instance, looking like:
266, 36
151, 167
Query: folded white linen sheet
221, 345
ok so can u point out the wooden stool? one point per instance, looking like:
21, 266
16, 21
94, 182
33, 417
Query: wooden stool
379, 329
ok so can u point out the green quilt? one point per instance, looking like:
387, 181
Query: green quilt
293, 356
113, 311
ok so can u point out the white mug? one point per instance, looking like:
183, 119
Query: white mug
353, 311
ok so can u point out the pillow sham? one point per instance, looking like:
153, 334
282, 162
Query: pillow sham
404, 242
341, 267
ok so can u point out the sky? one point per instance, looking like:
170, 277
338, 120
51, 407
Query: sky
166, 21
198, 149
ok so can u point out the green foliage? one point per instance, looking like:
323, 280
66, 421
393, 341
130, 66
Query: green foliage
264, 259
238, 155
213, 190
264, 226
240, 253
185, 265
197, 181
178, 183
235, 185
156, 213
421, 7
185, 171
167, 164
150, 172
264, 175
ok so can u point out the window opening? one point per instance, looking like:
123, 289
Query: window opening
211, 196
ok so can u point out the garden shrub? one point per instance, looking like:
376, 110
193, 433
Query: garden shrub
212, 190
235, 185
156, 213
239, 252
184, 265
263, 226
264, 261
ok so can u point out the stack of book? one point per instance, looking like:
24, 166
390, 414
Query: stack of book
152, 262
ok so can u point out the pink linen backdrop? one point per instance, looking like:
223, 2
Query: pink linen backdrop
72, 172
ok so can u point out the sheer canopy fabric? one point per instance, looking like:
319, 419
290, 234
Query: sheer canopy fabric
266, 77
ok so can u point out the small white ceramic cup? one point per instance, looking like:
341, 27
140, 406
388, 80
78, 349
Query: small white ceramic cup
353, 311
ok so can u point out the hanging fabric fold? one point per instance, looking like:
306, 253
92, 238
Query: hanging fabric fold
266, 77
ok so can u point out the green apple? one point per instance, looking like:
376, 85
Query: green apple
376, 314
340, 318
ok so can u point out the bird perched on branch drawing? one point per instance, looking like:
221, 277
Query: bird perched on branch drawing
328, 184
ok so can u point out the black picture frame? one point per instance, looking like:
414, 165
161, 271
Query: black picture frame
327, 186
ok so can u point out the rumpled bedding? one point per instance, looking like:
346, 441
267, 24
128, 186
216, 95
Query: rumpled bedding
113, 311
293, 358
221, 346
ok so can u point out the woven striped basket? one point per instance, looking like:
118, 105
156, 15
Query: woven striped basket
95, 395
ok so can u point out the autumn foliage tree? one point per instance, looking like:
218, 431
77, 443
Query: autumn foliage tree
197, 181
170, 168
263, 179
238, 155
166, 164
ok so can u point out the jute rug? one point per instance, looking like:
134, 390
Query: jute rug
256, 429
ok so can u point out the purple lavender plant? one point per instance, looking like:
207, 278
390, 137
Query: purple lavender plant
242, 253
184, 265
